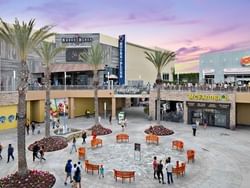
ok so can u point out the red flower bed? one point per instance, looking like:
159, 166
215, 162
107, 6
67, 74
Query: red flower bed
159, 130
34, 179
100, 130
52, 143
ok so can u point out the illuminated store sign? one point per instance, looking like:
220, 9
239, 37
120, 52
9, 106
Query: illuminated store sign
76, 39
122, 52
202, 97
245, 61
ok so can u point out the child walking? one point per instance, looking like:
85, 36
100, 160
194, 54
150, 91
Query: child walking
101, 175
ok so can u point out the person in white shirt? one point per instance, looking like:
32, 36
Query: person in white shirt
169, 169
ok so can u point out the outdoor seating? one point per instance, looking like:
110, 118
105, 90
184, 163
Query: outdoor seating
81, 153
178, 144
179, 169
124, 175
122, 137
91, 167
190, 155
96, 142
151, 138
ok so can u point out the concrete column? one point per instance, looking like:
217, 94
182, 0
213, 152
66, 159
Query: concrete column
185, 112
113, 108
71, 107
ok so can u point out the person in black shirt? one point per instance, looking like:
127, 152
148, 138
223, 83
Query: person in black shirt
84, 136
36, 149
10, 153
160, 172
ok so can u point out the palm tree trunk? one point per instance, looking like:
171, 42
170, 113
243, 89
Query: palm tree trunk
158, 107
96, 105
47, 103
21, 110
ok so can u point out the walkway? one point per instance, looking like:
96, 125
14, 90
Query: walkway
222, 156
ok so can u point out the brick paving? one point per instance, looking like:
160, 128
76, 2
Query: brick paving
222, 159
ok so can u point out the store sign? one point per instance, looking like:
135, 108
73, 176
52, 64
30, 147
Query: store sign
203, 97
122, 55
245, 61
76, 39
208, 105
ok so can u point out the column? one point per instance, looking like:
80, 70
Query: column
185, 112
113, 108
71, 107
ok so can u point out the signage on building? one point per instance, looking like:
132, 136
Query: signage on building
122, 55
204, 97
208, 105
76, 39
245, 61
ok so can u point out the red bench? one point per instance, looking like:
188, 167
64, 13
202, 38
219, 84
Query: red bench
122, 137
124, 175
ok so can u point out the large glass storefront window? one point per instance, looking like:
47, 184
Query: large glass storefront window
218, 115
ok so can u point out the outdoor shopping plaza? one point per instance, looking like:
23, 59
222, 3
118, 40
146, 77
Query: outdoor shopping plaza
221, 155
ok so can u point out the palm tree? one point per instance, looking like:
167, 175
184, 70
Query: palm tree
94, 57
159, 59
47, 51
24, 39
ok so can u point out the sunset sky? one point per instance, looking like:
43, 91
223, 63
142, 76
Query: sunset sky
188, 27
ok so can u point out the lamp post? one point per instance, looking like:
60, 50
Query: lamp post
108, 81
14, 80
65, 79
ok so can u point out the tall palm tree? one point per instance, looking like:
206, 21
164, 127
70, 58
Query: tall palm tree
159, 59
24, 39
47, 51
94, 57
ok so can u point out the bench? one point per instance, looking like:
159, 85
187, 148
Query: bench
81, 153
190, 155
91, 167
179, 169
124, 175
151, 138
96, 142
122, 137
177, 144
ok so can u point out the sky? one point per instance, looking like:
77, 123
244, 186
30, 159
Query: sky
188, 27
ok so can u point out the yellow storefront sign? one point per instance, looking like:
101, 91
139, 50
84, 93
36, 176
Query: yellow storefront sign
203, 97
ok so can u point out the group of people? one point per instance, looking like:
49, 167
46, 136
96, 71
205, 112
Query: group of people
159, 168
10, 152
73, 172
38, 150
33, 127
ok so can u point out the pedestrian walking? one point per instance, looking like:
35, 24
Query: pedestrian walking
84, 136
205, 122
68, 170
169, 169
160, 172
41, 151
101, 175
73, 145
35, 151
1, 149
27, 125
33, 127
79, 164
155, 167
10, 153
110, 119
194, 127
77, 177
38, 129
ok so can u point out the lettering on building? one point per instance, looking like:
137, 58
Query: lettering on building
76, 39
203, 97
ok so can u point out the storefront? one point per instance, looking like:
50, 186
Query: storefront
215, 114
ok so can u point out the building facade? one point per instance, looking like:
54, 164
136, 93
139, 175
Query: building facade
228, 66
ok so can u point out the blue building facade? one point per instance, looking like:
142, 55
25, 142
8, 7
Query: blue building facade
226, 66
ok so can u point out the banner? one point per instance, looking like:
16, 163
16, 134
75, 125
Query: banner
122, 59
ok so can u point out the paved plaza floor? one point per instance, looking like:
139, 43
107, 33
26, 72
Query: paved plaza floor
222, 155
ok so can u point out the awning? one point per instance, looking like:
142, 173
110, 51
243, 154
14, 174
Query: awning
112, 77
242, 70
67, 67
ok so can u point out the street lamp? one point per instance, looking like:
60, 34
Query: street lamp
65, 79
